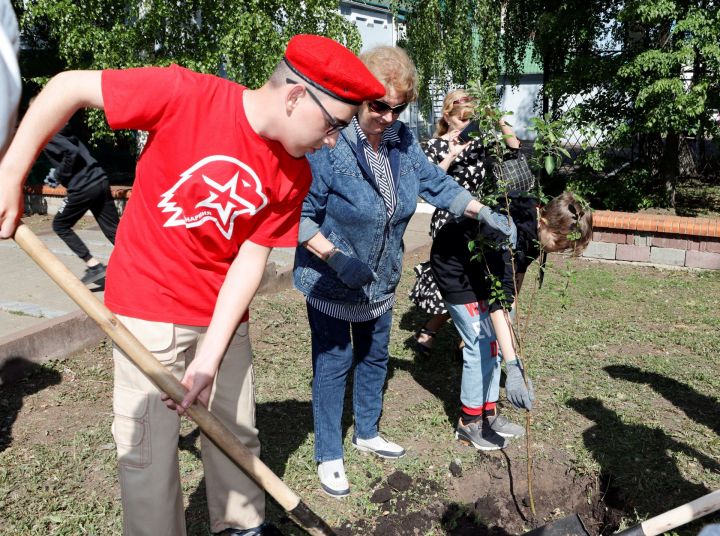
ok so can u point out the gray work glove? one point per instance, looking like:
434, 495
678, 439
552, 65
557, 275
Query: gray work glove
351, 270
517, 394
499, 222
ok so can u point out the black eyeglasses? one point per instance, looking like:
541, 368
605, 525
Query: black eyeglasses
380, 107
336, 125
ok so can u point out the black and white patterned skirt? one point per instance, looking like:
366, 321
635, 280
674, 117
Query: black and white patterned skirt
425, 293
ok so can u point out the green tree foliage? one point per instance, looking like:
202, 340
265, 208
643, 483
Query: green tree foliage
242, 40
650, 72
245, 39
452, 42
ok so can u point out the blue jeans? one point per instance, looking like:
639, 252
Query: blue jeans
337, 346
481, 362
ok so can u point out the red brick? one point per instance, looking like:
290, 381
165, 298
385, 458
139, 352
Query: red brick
656, 223
711, 246
601, 218
701, 259
649, 226
699, 228
614, 238
121, 192
117, 192
715, 230
670, 242
626, 252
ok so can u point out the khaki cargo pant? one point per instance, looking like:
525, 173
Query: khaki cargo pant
146, 434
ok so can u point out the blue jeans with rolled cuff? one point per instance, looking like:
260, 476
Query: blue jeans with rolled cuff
339, 346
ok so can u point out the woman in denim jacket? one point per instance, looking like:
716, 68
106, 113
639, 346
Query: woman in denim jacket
363, 193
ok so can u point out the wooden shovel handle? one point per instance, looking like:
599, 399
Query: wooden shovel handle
167, 383
676, 517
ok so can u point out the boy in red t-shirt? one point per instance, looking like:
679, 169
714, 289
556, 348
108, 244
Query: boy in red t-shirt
219, 184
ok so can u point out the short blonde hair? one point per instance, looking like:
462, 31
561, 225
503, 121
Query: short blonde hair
450, 107
393, 68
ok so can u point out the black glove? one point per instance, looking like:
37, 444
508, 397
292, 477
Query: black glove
351, 270
517, 393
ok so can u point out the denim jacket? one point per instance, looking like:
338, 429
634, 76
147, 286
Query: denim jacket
345, 205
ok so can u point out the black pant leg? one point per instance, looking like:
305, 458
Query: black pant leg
105, 212
76, 204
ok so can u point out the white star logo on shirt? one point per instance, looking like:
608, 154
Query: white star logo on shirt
225, 211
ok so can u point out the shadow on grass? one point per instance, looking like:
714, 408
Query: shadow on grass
197, 520
440, 376
283, 426
440, 372
20, 378
640, 461
415, 318
700, 408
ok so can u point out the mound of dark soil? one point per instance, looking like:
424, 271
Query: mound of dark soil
489, 499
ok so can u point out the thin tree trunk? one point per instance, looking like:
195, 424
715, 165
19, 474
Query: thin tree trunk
669, 165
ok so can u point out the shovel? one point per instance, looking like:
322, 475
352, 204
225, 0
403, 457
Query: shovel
166, 382
573, 526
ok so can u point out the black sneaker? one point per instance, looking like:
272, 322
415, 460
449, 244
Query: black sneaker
479, 436
93, 274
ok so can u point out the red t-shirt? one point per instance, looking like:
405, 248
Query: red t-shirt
205, 183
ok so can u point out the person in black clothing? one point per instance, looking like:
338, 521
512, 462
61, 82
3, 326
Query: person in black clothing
88, 188
479, 292
464, 162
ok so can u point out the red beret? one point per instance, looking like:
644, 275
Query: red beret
330, 67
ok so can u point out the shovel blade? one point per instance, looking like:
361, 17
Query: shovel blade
567, 526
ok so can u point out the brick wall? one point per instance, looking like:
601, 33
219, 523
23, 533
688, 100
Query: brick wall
617, 236
45, 200
656, 239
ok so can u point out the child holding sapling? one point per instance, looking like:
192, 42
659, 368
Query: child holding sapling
479, 290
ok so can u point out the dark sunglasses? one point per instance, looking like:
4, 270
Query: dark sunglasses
463, 100
336, 125
380, 107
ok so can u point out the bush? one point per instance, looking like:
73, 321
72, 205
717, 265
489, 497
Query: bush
629, 190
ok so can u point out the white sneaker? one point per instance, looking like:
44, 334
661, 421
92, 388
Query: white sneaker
333, 479
378, 446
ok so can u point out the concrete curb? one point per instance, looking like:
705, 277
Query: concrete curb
53, 339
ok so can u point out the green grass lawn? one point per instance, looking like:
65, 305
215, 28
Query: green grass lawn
625, 364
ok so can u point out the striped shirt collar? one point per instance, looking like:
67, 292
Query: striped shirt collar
389, 136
